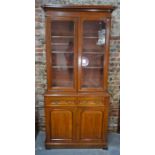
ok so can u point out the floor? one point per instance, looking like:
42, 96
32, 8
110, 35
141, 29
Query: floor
113, 147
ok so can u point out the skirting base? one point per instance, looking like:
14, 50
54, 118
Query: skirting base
75, 145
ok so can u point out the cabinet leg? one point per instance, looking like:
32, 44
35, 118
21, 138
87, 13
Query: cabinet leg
105, 148
47, 147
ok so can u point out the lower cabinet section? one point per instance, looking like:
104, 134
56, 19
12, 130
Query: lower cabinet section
82, 123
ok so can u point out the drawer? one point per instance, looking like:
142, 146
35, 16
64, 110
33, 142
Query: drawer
91, 101
56, 101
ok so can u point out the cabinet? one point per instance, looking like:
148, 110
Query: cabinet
77, 53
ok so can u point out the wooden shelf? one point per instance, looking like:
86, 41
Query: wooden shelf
87, 37
95, 34
63, 66
90, 37
60, 44
92, 50
59, 52
92, 67
93, 53
62, 36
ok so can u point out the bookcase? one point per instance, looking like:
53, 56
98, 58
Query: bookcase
77, 59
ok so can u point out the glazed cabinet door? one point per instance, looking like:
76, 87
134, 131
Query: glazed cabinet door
61, 36
93, 54
60, 124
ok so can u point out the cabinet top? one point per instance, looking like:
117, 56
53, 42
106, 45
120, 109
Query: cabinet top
104, 8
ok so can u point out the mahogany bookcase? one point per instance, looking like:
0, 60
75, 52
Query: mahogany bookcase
77, 59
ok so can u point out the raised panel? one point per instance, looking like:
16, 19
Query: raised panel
91, 123
61, 124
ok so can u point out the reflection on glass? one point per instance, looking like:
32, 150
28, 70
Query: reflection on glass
85, 61
92, 60
62, 53
93, 54
101, 34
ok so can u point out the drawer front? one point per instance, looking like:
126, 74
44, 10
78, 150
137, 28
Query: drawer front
91, 101
60, 101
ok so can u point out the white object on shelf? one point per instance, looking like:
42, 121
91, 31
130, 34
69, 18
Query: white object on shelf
101, 37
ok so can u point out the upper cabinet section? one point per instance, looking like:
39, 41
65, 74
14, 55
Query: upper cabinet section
77, 47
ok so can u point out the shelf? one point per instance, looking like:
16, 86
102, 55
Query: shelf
60, 44
63, 66
93, 53
62, 36
59, 52
90, 37
63, 52
95, 34
87, 37
92, 67
92, 49
94, 86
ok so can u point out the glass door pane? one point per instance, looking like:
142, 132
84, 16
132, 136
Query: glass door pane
62, 53
93, 46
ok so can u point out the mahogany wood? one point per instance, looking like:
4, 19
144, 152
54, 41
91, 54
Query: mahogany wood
76, 116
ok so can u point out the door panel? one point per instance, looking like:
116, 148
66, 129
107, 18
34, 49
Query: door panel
61, 124
92, 54
91, 126
62, 53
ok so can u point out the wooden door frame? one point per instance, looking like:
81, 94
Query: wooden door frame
107, 22
49, 55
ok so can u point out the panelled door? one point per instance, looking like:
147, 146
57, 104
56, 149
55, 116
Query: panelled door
91, 124
90, 119
61, 124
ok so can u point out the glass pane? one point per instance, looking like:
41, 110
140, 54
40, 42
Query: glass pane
62, 53
62, 77
93, 54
